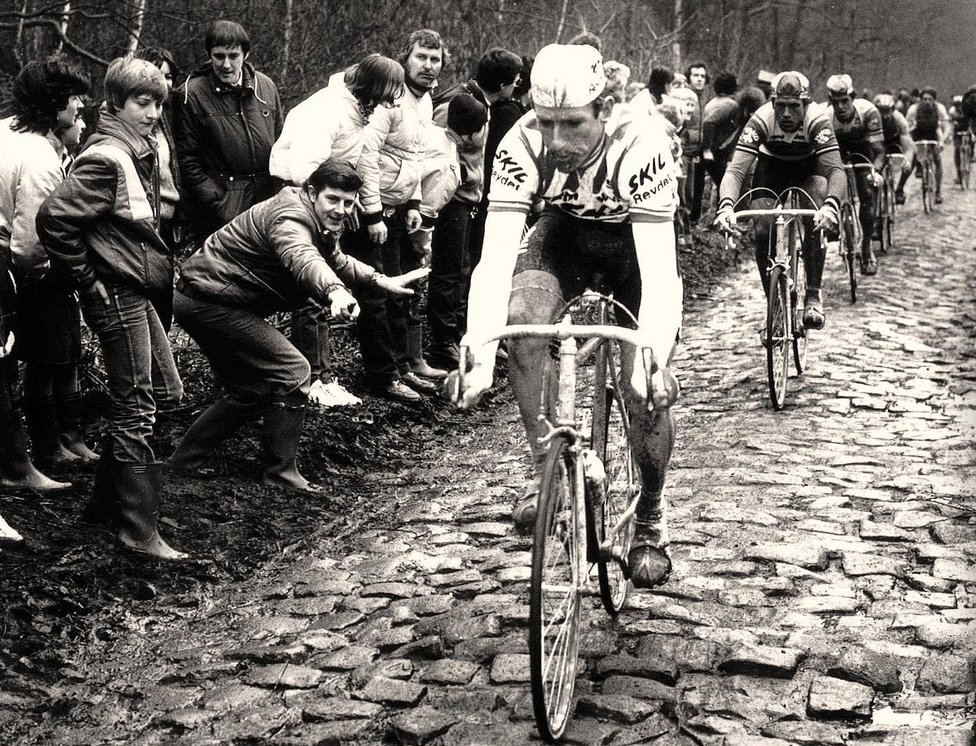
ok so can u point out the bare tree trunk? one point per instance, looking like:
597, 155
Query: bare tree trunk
562, 20
65, 15
286, 52
18, 52
136, 27
679, 20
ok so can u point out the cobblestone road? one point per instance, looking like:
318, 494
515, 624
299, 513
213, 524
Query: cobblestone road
825, 565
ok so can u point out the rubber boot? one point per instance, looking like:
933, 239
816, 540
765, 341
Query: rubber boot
221, 420
45, 433
138, 487
16, 469
283, 422
72, 429
102, 508
415, 355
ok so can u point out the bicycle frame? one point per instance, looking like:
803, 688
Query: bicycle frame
570, 356
785, 282
926, 150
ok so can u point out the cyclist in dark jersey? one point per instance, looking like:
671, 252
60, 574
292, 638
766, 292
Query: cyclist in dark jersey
791, 145
857, 124
897, 139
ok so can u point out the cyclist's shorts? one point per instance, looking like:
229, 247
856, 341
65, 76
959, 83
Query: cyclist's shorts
779, 175
574, 250
925, 134
893, 147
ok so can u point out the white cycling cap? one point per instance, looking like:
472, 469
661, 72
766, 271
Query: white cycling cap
840, 85
790, 85
567, 75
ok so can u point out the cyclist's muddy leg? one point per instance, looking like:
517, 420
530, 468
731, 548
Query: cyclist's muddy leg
535, 298
763, 230
814, 255
651, 441
867, 196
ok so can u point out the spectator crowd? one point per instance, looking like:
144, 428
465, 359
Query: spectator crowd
364, 199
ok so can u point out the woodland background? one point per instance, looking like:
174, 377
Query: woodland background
882, 43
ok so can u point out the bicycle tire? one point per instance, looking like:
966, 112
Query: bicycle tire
777, 336
884, 209
611, 442
965, 159
888, 224
928, 187
798, 288
849, 247
554, 601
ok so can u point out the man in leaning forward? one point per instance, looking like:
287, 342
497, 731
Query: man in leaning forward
608, 182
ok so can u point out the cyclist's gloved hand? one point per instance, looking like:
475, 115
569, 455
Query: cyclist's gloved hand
479, 376
828, 216
725, 217
876, 179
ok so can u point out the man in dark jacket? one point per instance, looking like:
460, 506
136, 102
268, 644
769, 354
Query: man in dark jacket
227, 116
721, 124
273, 257
496, 76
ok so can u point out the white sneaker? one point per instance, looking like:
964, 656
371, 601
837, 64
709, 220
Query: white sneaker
7, 532
332, 394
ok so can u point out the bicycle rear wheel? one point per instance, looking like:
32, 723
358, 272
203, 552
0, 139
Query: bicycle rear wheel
849, 247
777, 336
610, 441
554, 600
798, 292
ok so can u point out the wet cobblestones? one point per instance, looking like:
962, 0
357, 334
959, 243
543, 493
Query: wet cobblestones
825, 564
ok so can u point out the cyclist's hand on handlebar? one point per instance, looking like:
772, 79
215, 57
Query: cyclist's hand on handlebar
477, 380
827, 217
725, 219
876, 179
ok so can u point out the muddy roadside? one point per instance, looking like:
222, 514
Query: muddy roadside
68, 598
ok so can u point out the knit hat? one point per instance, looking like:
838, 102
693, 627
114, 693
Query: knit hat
566, 76
465, 114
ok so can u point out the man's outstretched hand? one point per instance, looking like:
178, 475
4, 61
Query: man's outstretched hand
398, 286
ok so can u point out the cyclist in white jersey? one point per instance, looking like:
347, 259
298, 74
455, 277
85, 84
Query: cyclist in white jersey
609, 184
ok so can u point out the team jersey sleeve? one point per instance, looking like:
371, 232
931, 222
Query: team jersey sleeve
515, 177
823, 137
872, 122
648, 180
752, 137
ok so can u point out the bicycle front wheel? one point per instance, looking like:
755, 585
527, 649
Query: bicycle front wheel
928, 188
965, 158
798, 294
849, 247
884, 212
777, 336
554, 599
611, 442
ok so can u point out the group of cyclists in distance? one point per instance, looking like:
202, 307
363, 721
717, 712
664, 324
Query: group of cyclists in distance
608, 180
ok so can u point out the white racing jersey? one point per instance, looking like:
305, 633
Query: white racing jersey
632, 176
